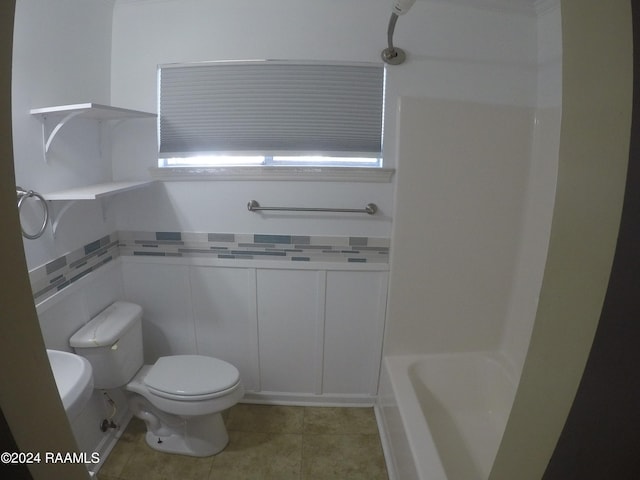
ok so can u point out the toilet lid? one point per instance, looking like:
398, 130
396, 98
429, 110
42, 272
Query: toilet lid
191, 375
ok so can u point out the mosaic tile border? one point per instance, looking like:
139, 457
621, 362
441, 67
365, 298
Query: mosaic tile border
59, 273
296, 248
63, 271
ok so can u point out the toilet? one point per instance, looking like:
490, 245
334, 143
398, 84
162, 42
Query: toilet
180, 397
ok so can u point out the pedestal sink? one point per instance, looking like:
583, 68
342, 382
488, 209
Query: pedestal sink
74, 379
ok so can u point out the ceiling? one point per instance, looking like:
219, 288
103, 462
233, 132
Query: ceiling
516, 6
524, 6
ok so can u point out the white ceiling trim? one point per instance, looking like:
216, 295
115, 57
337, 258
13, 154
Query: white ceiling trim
527, 7
543, 6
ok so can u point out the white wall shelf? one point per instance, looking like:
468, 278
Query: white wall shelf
54, 118
91, 192
97, 191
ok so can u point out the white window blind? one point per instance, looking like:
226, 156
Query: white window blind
271, 108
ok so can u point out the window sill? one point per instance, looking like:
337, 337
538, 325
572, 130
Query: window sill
310, 174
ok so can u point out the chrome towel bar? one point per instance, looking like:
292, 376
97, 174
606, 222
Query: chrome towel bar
370, 209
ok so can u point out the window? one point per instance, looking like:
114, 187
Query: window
270, 113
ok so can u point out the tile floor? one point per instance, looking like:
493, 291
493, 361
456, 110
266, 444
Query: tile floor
266, 443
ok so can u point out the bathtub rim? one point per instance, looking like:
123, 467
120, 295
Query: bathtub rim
427, 462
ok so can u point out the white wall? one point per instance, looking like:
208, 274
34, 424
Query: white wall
549, 41
69, 51
62, 54
454, 52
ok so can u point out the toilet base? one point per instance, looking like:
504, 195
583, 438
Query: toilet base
198, 437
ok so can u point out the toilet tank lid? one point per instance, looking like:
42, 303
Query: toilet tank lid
108, 326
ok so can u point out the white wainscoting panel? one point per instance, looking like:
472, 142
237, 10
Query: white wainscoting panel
163, 292
354, 324
310, 333
288, 320
225, 318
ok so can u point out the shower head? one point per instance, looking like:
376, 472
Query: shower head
400, 7
393, 55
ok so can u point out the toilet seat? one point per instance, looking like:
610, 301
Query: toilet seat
191, 378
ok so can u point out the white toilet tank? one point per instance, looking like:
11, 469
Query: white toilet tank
112, 342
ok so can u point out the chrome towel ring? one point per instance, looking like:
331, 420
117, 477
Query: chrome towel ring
24, 194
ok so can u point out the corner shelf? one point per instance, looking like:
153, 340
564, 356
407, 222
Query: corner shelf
54, 118
91, 192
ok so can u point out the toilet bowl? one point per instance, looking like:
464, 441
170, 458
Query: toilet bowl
179, 397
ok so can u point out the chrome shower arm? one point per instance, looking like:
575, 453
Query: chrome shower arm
392, 55
390, 30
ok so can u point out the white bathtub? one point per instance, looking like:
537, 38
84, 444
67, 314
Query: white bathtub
442, 416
